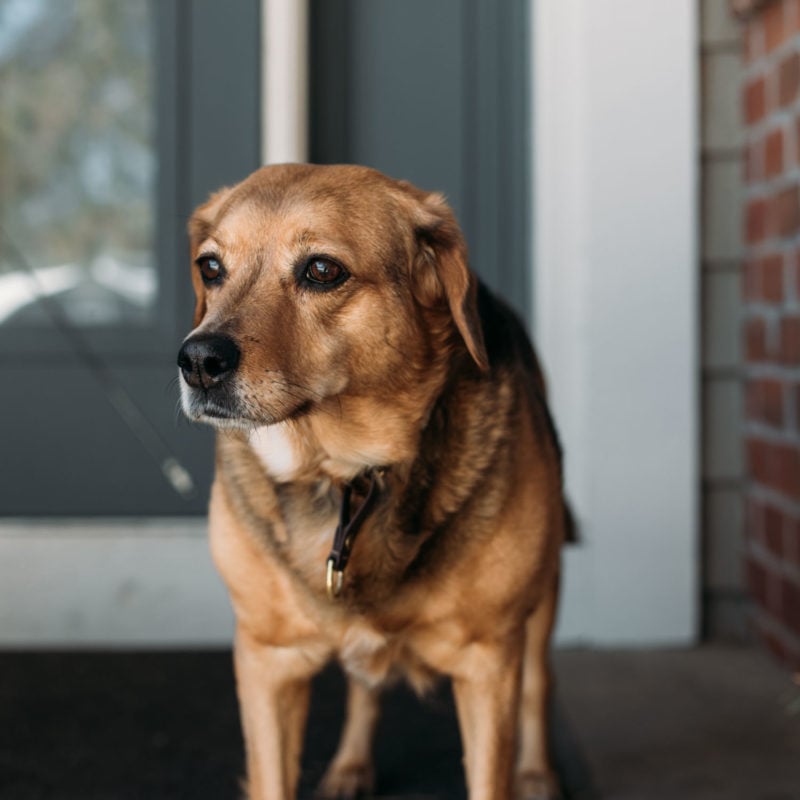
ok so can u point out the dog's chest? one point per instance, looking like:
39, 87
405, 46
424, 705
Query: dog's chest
372, 655
289, 452
277, 450
366, 652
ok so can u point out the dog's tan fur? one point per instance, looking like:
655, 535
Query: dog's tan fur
408, 367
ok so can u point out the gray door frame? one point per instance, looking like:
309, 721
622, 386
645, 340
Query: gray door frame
490, 44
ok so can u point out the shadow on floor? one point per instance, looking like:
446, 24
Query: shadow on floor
158, 726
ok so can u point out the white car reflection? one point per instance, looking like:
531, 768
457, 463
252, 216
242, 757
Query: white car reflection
112, 289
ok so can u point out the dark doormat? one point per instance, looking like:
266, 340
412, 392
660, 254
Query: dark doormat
164, 726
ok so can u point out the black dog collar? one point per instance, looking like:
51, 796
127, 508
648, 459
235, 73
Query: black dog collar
346, 532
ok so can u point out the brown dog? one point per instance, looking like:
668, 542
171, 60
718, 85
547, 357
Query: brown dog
356, 371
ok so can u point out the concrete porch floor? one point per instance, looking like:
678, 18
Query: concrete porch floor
711, 723
708, 723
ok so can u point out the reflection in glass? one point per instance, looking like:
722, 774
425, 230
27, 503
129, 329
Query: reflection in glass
77, 145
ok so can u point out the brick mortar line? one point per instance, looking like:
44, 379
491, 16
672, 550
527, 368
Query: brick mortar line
790, 407
791, 282
790, 379
788, 250
770, 244
772, 497
754, 308
777, 52
780, 115
763, 250
760, 308
771, 435
755, 136
765, 370
787, 179
778, 566
759, 67
778, 628
765, 62
768, 496
769, 247
784, 247
772, 99
766, 189
791, 263
766, 437
767, 374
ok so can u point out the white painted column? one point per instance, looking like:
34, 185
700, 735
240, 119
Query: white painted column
284, 101
616, 305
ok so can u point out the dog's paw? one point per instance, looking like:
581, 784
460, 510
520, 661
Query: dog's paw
346, 782
537, 786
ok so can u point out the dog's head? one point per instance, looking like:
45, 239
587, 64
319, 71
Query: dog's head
315, 283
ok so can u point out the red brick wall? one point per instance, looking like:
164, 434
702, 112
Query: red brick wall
771, 325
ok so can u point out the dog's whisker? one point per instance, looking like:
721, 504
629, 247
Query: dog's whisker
303, 388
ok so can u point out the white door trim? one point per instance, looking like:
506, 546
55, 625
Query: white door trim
615, 305
143, 582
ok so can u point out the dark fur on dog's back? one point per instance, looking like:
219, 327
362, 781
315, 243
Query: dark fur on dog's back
505, 337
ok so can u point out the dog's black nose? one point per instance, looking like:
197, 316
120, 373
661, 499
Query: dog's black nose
208, 359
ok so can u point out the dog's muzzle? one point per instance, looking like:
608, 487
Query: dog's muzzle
207, 360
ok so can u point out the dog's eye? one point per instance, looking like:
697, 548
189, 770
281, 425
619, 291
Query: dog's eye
210, 269
324, 272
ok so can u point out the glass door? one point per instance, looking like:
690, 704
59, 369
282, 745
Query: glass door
115, 119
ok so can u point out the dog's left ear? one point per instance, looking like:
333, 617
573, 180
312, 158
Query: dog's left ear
442, 270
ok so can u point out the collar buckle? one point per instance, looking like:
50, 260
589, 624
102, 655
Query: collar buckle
334, 578
346, 532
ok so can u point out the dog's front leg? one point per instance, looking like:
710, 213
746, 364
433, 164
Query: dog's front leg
273, 684
487, 693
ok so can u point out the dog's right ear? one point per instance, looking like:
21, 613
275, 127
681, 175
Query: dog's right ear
201, 224
442, 272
